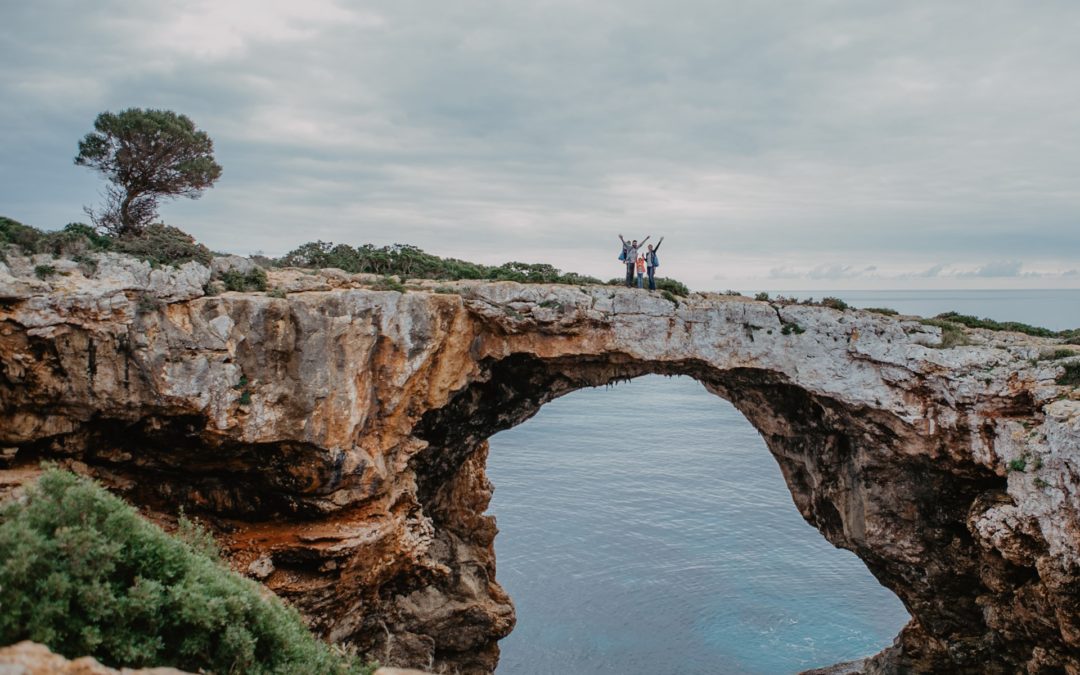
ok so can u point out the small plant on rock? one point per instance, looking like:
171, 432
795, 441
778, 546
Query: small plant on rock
44, 271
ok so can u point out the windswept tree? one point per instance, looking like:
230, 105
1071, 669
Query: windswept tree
146, 155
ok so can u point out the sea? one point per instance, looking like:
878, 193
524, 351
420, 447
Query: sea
645, 528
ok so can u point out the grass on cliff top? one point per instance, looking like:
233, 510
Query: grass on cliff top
82, 572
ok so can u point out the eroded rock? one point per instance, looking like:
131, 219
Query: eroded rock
336, 439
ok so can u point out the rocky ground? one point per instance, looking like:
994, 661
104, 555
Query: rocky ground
334, 435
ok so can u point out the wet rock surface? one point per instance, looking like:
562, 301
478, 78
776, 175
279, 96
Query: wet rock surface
336, 439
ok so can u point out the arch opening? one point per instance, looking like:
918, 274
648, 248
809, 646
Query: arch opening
677, 549
839, 463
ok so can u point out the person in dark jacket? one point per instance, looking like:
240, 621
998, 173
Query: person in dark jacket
629, 256
652, 262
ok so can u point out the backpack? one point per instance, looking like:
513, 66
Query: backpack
655, 259
622, 254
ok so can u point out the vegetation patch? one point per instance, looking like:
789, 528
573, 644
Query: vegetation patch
44, 271
990, 324
792, 328
84, 574
1071, 376
882, 310
243, 282
952, 335
160, 245
1019, 464
389, 284
834, 303
670, 297
1055, 354
762, 296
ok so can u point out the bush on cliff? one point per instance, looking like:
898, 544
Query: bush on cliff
83, 573
160, 244
407, 262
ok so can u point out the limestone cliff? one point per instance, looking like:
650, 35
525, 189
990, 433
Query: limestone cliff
336, 439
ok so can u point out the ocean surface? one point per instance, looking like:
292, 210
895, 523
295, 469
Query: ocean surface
645, 528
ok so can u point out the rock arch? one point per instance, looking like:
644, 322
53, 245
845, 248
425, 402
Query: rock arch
336, 440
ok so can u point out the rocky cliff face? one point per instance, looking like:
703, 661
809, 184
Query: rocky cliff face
336, 440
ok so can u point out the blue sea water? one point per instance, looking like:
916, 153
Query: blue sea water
645, 528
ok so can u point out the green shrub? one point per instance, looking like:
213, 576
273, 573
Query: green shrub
242, 282
44, 271
1071, 376
834, 303
990, 324
672, 286
389, 284
762, 296
882, 310
15, 233
86, 263
82, 572
278, 292
1055, 354
1018, 464
670, 297
163, 245
952, 335
75, 239
792, 328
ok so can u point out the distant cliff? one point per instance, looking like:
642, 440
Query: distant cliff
335, 436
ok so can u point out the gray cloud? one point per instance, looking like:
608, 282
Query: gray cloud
758, 138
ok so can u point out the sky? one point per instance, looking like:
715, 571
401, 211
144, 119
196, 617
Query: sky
820, 144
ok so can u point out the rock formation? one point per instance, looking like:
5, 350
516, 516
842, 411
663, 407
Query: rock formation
29, 658
336, 438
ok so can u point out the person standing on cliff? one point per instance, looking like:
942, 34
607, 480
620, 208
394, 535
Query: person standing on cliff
641, 271
652, 262
629, 256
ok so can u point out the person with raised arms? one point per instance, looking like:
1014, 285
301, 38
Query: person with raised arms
629, 256
652, 262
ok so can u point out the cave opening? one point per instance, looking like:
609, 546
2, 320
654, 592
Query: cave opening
645, 526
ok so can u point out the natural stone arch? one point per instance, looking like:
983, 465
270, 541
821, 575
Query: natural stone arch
839, 464
336, 440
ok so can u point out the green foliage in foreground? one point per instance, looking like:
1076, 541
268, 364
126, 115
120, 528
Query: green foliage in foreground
81, 572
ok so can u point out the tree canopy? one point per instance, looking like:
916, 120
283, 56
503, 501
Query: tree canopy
146, 155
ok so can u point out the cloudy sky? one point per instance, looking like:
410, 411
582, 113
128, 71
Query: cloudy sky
776, 144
